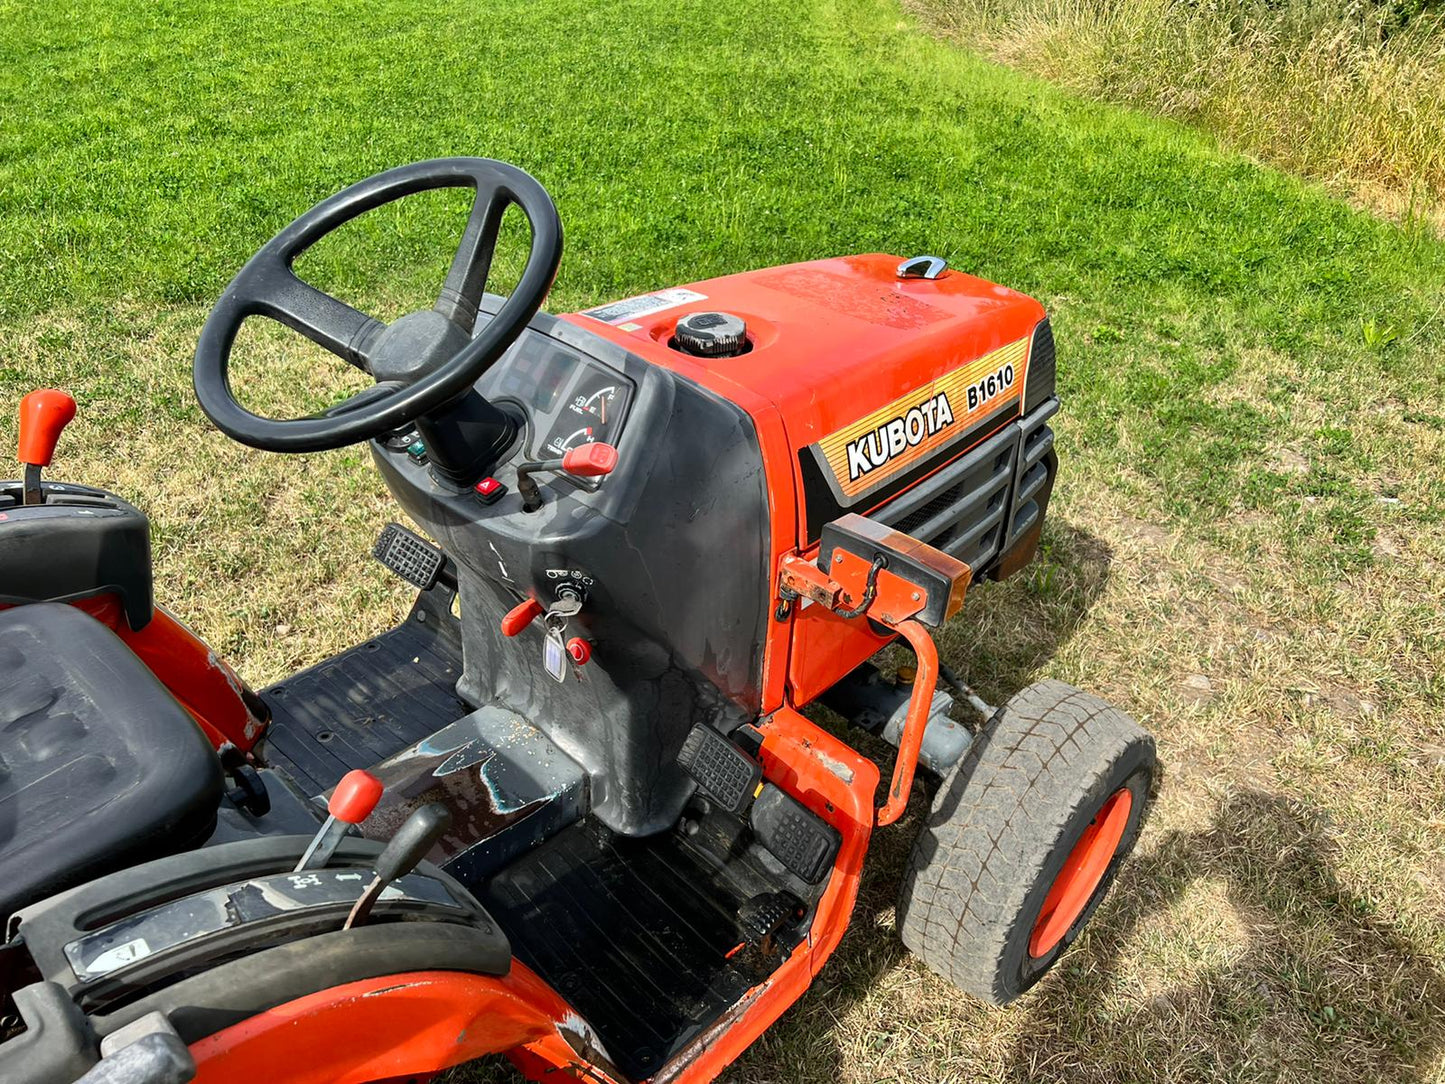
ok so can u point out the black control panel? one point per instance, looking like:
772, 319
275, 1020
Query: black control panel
570, 399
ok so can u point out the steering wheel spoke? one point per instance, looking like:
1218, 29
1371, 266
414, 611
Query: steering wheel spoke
330, 323
461, 293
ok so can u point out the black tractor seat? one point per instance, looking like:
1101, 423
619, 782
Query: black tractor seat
100, 767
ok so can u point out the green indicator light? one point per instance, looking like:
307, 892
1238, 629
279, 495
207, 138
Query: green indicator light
416, 449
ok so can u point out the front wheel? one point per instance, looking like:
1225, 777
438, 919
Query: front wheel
1024, 839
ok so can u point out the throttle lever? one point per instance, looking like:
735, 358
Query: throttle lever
591, 460
44, 413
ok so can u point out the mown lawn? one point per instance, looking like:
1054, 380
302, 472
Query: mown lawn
1246, 543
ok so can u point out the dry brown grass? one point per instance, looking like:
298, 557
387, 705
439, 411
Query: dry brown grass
1283, 919
1339, 92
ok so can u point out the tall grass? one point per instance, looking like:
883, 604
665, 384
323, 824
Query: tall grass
1346, 91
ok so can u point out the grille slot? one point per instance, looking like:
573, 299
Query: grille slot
961, 509
1041, 367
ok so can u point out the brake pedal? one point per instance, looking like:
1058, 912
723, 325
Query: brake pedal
763, 915
795, 835
409, 555
725, 773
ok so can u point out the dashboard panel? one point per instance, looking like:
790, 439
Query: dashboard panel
570, 399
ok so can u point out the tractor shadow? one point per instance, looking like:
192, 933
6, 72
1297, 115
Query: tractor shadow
1312, 986
1008, 632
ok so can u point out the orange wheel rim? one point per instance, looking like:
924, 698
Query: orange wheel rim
1077, 882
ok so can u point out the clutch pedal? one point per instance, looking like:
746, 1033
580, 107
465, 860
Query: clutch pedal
796, 836
724, 772
409, 555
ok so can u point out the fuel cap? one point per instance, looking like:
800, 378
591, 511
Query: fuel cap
711, 335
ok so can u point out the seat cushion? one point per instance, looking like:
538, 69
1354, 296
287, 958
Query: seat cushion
100, 767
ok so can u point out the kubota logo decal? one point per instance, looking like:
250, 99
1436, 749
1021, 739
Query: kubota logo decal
872, 451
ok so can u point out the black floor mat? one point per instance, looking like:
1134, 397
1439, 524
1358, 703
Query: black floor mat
358, 708
640, 936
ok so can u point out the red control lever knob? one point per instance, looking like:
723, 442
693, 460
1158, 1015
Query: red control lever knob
591, 460
43, 414
355, 797
579, 649
520, 616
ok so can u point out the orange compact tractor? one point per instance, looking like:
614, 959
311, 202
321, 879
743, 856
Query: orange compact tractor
570, 809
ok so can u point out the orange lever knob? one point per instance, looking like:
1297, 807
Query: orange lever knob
591, 460
520, 616
43, 414
355, 796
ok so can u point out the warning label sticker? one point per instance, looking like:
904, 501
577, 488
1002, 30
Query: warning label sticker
631, 308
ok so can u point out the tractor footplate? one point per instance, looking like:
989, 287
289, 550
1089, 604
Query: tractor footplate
793, 834
409, 555
357, 708
725, 773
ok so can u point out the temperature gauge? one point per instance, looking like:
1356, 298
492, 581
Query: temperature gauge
586, 435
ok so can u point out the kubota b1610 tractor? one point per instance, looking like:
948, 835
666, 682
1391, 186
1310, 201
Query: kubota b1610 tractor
569, 810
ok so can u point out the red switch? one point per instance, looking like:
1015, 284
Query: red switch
43, 414
579, 649
520, 616
355, 797
591, 460
489, 490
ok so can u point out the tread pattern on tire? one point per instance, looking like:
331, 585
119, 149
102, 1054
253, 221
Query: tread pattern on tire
994, 823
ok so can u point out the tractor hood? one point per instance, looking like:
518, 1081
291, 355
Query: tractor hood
877, 380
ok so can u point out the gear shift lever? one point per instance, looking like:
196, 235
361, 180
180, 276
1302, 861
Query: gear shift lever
43, 414
416, 837
351, 803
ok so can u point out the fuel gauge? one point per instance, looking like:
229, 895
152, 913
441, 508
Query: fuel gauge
594, 413
598, 404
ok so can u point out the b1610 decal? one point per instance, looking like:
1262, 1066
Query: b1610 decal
874, 450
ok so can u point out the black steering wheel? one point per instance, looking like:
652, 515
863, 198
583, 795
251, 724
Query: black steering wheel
423, 361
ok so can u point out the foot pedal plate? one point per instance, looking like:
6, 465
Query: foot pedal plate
409, 555
763, 915
796, 836
724, 772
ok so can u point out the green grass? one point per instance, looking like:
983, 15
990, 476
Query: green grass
1252, 489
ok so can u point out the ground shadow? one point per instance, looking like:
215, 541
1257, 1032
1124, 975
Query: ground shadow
1008, 632
1318, 988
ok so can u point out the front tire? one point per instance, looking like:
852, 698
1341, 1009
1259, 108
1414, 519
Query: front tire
1024, 839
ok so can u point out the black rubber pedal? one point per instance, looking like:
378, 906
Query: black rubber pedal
725, 773
796, 836
409, 555
763, 915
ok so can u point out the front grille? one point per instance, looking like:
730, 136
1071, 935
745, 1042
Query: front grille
1040, 383
961, 510
978, 507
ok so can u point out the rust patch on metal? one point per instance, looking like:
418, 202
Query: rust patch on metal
684, 1058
